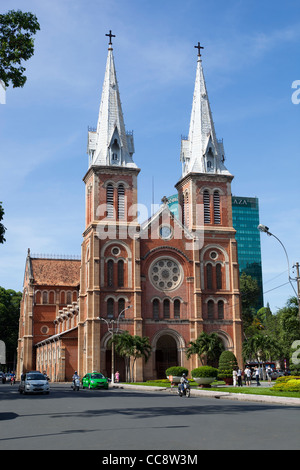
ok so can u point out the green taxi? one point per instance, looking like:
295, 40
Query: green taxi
94, 380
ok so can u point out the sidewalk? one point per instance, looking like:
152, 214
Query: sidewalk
215, 394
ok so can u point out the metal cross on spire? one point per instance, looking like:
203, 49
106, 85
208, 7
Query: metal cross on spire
110, 35
199, 49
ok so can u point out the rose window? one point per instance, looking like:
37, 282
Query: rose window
165, 274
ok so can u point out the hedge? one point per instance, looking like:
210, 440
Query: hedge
205, 371
176, 371
287, 384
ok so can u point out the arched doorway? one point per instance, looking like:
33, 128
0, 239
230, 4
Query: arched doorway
166, 355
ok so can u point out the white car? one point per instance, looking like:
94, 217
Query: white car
34, 382
277, 373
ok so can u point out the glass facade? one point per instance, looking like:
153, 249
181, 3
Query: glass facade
245, 219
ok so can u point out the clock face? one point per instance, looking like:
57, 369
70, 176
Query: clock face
165, 232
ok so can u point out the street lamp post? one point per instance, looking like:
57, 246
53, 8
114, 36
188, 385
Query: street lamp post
265, 229
112, 330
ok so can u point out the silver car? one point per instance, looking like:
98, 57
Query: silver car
34, 382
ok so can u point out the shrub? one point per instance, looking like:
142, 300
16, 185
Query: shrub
176, 371
295, 369
227, 363
290, 385
205, 371
285, 378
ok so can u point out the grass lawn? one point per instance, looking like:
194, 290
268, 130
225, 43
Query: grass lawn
255, 390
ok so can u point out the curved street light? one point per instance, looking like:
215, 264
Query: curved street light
111, 329
265, 229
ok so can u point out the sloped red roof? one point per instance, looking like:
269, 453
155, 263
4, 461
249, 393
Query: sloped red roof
56, 272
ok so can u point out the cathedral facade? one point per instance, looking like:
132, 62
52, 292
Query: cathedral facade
169, 278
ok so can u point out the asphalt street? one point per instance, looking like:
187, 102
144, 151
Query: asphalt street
129, 420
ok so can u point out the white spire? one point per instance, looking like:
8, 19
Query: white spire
201, 152
110, 144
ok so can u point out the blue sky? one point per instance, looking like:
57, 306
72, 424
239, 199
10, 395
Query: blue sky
250, 60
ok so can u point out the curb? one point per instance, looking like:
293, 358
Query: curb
219, 395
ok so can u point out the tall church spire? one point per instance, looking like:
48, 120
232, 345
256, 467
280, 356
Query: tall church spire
202, 152
110, 145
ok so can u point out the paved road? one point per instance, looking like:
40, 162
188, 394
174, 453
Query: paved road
122, 419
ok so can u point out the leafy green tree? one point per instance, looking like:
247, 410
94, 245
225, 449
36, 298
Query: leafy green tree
16, 45
2, 228
250, 292
9, 321
276, 334
288, 326
206, 346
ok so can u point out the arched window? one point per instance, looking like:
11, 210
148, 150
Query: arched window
38, 297
206, 203
120, 273
209, 283
186, 210
115, 151
219, 275
121, 202
176, 308
183, 209
45, 297
220, 310
110, 201
110, 273
217, 213
210, 309
121, 307
155, 309
110, 308
69, 297
166, 308
52, 297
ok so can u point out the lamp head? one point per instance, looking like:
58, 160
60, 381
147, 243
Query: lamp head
263, 228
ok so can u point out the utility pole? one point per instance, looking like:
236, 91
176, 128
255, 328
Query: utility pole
298, 286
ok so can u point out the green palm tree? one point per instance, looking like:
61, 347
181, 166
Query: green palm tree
141, 348
123, 345
129, 347
260, 347
207, 346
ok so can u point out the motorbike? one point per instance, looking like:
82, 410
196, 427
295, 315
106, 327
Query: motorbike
76, 384
185, 391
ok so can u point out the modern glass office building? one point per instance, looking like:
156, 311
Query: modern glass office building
245, 216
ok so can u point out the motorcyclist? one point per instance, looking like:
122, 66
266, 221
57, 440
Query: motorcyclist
75, 376
183, 382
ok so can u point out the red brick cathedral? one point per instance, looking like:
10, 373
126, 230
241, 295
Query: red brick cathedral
168, 279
